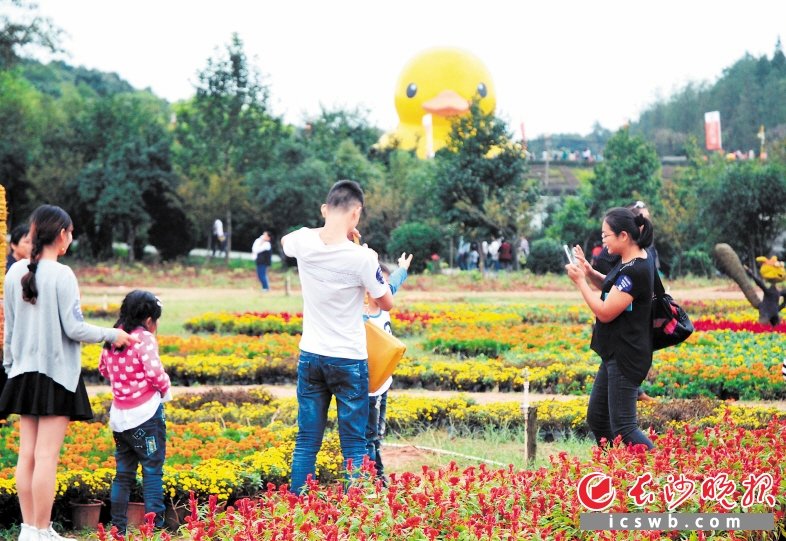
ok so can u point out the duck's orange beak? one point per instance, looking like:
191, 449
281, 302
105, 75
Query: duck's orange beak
446, 103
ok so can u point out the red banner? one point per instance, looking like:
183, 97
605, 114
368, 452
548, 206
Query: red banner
712, 130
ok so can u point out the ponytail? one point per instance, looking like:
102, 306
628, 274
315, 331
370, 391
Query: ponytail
46, 222
647, 231
638, 228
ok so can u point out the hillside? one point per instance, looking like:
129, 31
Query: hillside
51, 78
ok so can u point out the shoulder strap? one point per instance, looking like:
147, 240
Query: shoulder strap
657, 284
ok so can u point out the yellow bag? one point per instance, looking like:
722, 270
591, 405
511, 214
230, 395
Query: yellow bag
384, 353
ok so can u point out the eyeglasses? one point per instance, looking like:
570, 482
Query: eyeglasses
639, 205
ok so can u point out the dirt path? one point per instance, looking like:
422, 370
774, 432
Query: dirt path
114, 293
290, 391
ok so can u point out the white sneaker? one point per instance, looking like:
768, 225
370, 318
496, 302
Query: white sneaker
28, 533
53, 535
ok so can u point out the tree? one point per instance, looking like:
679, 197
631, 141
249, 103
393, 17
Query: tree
332, 127
126, 185
628, 172
405, 194
21, 121
748, 94
746, 207
479, 178
290, 193
223, 134
23, 29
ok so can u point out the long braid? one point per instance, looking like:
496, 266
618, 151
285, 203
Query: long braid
29, 288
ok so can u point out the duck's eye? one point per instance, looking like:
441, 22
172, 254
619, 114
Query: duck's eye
482, 90
412, 89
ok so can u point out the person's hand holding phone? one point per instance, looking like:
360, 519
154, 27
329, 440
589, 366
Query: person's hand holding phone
575, 271
581, 260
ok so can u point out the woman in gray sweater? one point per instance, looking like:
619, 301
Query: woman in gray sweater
42, 357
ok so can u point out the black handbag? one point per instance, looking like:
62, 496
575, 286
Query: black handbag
671, 325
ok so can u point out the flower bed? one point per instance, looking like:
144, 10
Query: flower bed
95, 311
225, 458
712, 324
720, 364
410, 414
484, 503
249, 323
421, 317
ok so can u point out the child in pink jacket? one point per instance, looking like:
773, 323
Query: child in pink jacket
139, 387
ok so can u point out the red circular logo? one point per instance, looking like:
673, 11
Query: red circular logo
596, 492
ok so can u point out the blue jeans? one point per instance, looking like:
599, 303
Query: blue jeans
318, 379
612, 407
375, 429
145, 445
262, 275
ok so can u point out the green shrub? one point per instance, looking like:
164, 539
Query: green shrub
695, 262
546, 255
418, 239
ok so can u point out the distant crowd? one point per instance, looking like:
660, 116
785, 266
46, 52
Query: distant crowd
566, 155
497, 254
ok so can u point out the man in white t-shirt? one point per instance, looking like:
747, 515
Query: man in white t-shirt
335, 274
262, 251
219, 238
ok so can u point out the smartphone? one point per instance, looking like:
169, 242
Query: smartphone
571, 257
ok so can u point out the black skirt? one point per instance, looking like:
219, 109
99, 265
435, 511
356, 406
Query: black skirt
33, 393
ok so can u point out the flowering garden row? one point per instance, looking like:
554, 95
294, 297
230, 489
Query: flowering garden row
408, 414
721, 364
419, 318
480, 503
226, 444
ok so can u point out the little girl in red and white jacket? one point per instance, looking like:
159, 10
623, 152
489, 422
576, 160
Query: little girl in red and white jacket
139, 387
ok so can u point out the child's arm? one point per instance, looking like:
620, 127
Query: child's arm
103, 369
154, 369
396, 279
398, 276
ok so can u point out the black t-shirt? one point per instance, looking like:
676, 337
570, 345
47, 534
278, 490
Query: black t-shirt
628, 338
9, 260
605, 261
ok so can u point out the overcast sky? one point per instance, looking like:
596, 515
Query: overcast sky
557, 66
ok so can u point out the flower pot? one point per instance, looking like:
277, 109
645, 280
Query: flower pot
86, 515
135, 515
174, 517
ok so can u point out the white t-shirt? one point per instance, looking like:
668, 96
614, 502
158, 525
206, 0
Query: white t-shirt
122, 420
334, 279
260, 245
382, 320
494, 249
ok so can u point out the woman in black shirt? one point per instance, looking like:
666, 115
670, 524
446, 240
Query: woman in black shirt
623, 331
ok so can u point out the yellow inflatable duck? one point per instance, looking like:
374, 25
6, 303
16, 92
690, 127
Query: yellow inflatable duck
442, 82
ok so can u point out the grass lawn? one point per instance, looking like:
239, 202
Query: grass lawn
504, 446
